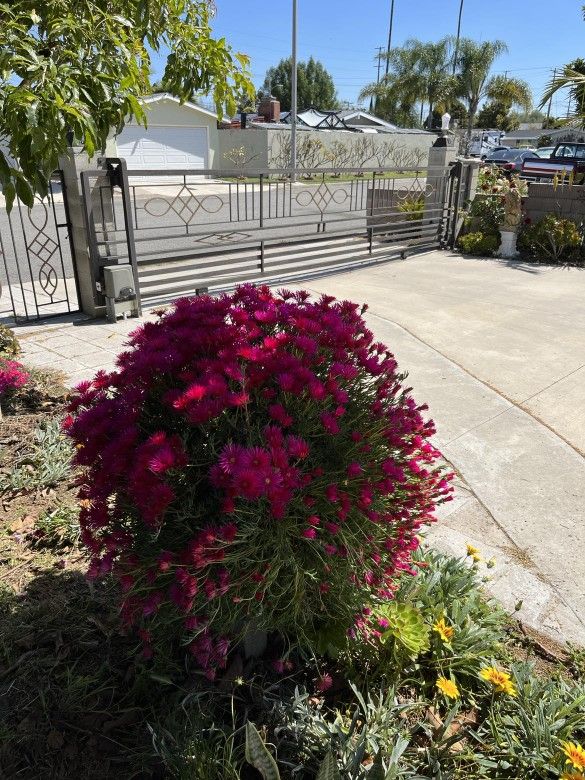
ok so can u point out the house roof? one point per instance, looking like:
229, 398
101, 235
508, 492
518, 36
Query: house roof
319, 120
350, 114
525, 135
159, 96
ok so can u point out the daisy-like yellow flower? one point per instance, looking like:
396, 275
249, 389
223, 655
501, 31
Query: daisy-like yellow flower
476, 558
501, 681
572, 776
575, 754
471, 550
443, 630
448, 687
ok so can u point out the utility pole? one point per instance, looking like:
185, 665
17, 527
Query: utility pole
293, 102
389, 37
550, 100
456, 52
379, 58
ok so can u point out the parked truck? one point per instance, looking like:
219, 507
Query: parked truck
566, 161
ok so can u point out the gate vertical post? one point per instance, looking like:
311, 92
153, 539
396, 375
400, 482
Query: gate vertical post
129, 226
436, 192
72, 164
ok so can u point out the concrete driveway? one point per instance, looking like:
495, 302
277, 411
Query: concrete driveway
497, 350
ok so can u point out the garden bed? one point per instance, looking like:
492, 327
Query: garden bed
456, 691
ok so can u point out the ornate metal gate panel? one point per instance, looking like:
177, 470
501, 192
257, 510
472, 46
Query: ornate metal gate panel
37, 272
186, 230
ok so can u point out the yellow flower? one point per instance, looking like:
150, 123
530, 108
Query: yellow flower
572, 776
575, 754
448, 687
476, 558
501, 681
471, 550
443, 630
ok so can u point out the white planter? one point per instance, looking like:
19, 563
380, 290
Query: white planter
508, 243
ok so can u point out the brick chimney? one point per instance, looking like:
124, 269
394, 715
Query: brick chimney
269, 109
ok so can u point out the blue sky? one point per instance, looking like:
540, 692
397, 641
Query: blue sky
344, 35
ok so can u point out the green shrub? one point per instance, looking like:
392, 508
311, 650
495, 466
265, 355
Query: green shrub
479, 243
485, 213
253, 466
9, 346
551, 239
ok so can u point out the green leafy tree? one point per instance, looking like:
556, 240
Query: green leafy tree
79, 67
503, 93
315, 86
534, 116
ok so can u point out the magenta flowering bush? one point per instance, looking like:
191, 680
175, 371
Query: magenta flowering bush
12, 376
254, 461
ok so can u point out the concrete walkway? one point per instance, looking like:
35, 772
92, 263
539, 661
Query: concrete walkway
497, 350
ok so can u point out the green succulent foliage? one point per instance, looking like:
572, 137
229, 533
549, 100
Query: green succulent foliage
330, 640
328, 769
447, 587
258, 755
9, 346
407, 631
46, 463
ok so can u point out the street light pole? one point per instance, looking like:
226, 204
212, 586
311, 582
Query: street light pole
458, 37
389, 36
293, 100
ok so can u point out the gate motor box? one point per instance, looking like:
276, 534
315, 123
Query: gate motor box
119, 292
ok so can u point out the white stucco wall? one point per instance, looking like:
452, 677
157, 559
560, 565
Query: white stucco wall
267, 147
166, 112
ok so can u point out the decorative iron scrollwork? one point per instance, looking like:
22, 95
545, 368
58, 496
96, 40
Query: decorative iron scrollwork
185, 205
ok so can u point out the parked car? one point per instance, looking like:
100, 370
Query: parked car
496, 149
567, 159
509, 160
544, 151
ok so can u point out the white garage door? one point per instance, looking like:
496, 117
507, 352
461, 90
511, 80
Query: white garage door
161, 148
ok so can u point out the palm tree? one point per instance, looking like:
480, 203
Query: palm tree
434, 65
474, 62
419, 74
574, 80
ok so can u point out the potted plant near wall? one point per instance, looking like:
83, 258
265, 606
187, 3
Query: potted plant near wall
512, 218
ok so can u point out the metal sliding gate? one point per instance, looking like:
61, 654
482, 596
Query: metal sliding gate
37, 269
182, 231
